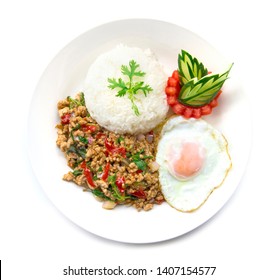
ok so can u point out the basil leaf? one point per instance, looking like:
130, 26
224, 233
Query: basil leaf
141, 165
99, 193
82, 139
80, 151
119, 139
77, 172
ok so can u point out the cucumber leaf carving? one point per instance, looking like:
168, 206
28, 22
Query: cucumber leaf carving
189, 67
199, 92
198, 88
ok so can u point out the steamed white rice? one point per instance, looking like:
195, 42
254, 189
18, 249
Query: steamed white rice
116, 113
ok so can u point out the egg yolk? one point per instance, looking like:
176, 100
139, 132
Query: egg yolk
189, 161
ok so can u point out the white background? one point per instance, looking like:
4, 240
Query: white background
37, 242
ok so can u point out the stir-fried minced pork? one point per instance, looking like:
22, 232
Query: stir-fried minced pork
117, 169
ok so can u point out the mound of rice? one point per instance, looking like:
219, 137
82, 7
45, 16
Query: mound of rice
116, 113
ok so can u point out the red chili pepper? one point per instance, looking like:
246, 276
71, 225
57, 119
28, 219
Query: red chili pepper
106, 172
121, 151
90, 128
87, 174
139, 194
99, 135
160, 201
109, 146
115, 150
65, 118
83, 164
120, 183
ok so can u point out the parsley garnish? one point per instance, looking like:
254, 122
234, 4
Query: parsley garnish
131, 88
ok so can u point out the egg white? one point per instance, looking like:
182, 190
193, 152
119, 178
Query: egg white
189, 195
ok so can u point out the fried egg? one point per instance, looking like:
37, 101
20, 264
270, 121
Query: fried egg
194, 160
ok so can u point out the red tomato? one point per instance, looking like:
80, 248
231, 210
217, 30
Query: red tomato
171, 100
179, 109
171, 82
171, 91
213, 103
188, 112
196, 113
206, 110
175, 75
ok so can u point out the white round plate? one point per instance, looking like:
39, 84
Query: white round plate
64, 76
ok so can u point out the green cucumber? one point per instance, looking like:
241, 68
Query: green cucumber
199, 92
189, 67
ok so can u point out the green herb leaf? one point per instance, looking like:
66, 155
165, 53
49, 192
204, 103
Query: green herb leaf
80, 151
82, 139
130, 88
119, 139
118, 84
141, 165
139, 86
99, 193
200, 92
139, 161
132, 71
72, 149
134, 106
190, 67
115, 191
82, 99
77, 172
76, 102
74, 129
